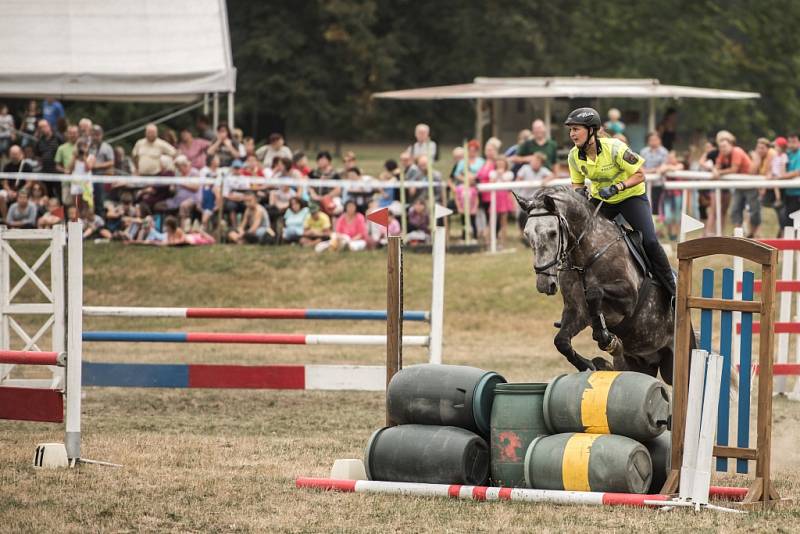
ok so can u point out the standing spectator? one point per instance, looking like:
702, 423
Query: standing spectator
52, 110
522, 136
504, 204
85, 126
275, 149
614, 126
294, 220
668, 128
80, 166
424, 145
147, 151
776, 169
194, 149
733, 160
66, 150
539, 142
672, 199
535, 170
791, 196
349, 160
655, 155
30, 124
224, 146
7, 130
762, 158
22, 214
317, 227
204, 130
103, 165
482, 177
16, 164
47, 144
123, 164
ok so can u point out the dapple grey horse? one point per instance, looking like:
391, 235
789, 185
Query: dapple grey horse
585, 255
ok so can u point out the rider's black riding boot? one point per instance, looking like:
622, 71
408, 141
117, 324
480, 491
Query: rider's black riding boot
662, 269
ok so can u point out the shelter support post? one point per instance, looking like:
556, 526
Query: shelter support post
215, 120
205, 103
547, 115
231, 109
497, 110
651, 114
479, 120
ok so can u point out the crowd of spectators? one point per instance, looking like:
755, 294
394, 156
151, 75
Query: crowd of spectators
239, 209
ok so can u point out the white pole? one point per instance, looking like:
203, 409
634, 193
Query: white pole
651, 115
5, 291
547, 114
231, 110
738, 270
718, 210
708, 426
493, 222
205, 103
437, 296
59, 308
692, 427
72, 439
215, 111
787, 266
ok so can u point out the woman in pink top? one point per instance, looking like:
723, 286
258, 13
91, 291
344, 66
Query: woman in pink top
351, 228
504, 204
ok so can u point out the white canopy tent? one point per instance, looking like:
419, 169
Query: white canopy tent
141, 50
548, 88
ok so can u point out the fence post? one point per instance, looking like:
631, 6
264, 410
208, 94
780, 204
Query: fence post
72, 438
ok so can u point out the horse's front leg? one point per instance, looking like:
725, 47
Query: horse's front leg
572, 323
606, 340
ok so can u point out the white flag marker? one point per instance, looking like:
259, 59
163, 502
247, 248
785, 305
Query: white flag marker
440, 211
690, 224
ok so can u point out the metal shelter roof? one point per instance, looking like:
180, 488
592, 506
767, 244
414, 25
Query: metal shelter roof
562, 87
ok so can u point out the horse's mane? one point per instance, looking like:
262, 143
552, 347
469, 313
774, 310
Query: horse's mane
572, 205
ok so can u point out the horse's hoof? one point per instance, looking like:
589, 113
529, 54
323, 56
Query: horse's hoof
601, 364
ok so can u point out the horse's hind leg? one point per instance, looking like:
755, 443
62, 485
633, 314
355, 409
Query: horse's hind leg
572, 322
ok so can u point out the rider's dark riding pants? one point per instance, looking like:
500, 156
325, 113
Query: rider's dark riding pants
638, 214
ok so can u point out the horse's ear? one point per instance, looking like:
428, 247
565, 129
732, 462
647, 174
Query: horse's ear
524, 203
549, 204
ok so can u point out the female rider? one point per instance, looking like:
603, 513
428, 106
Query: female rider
617, 181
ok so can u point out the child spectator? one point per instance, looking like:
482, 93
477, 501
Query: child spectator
614, 125
21, 214
504, 204
176, 237
317, 227
360, 195
672, 199
390, 173
535, 170
418, 222
294, 220
117, 213
255, 227
94, 227
379, 234
300, 163
39, 198
81, 167
53, 216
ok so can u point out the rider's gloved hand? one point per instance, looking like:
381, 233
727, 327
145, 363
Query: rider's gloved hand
609, 191
583, 191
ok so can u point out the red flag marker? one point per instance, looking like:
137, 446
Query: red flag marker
380, 217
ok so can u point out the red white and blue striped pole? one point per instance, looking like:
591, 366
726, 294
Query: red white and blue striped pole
247, 338
249, 313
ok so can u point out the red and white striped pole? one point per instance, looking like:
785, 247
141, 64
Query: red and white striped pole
29, 357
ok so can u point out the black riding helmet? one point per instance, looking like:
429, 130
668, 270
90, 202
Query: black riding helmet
589, 118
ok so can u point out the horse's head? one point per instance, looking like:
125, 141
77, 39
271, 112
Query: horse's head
547, 232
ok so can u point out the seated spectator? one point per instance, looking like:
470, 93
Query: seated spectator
252, 167
300, 163
362, 196
249, 145
147, 152
53, 216
255, 227
234, 187
123, 164
349, 160
21, 214
38, 197
194, 149
175, 236
390, 173
238, 140
186, 197
317, 227
409, 168
418, 221
94, 227
535, 170
329, 198
275, 149
351, 231
8, 191
415, 192
224, 146
116, 213
294, 221
614, 125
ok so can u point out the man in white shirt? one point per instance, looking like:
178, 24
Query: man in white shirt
147, 152
275, 149
424, 145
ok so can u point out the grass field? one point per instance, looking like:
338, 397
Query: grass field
226, 460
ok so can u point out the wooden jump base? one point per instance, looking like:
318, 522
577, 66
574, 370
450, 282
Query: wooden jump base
250, 313
31, 404
246, 338
488, 493
761, 491
316, 377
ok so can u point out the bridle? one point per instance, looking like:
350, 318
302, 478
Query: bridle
562, 259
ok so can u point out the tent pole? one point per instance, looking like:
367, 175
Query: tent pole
205, 103
230, 110
215, 120
159, 120
497, 109
547, 116
479, 121
651, 116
